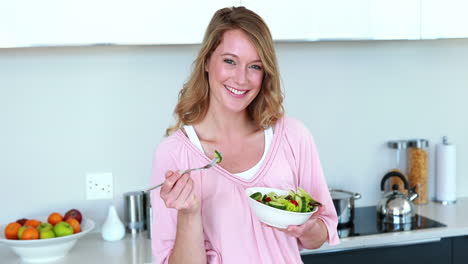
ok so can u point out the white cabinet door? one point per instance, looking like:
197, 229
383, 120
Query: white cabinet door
285, 19
84, 22
339, 19
444, 19
185, 21
396, 19
310, 19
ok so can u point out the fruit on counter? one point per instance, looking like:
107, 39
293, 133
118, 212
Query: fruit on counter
44, 226
30, 233
11, 230
63, 229
46, 233
54, 218
21, 221
73, 213
32, 222
74, 224
21, 230
58, 225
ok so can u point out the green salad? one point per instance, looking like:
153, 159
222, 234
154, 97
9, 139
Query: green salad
299, 201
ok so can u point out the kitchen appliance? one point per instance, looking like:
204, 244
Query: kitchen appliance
344, 204
367, 222
396, 207
134, 208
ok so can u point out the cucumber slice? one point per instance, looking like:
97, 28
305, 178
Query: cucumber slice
272, 195
277, 205
218, 155
303, 193
311, 202
301, 203
257, 196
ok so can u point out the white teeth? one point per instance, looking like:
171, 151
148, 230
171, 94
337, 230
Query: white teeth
235, 91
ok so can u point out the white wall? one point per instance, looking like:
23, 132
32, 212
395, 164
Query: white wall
65, 112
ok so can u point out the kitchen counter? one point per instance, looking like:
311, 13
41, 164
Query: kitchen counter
137, 250
455, 216
92, 249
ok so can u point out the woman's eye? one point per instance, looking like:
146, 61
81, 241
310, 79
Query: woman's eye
228, 61
256, 67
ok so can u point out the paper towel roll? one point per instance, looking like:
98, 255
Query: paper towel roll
446, 185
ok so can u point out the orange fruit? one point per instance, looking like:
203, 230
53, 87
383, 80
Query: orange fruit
54, 218
30, 233
74, 224
32, 222
11, 230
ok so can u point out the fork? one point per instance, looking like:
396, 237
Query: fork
217, 159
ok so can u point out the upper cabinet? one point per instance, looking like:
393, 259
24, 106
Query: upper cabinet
336, 20
444, 19
84, 22
396, 19
25, 23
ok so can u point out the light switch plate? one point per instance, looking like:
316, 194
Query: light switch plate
99, 186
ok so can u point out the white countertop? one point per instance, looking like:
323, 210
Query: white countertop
92, 249
137, 250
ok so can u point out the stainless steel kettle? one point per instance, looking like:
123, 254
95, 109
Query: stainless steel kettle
396, 207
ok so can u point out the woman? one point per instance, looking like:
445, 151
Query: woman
232, 102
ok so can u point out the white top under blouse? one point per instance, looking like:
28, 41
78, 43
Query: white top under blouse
248, 174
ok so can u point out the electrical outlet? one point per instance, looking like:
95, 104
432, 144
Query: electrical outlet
99, 186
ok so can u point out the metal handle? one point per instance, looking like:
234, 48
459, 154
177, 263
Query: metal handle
207, 166
353, 194
159, 185
154, 187
393, 174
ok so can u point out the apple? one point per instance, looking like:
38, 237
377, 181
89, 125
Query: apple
21, 221
63, 229
44, 226
20, 232
73, 213
46, 233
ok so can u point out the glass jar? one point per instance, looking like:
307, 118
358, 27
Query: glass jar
417, 168
398, 146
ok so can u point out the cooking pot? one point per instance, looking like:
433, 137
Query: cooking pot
396, 207
344, 204
345, 230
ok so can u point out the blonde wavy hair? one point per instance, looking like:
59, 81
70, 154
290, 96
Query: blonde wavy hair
194, 98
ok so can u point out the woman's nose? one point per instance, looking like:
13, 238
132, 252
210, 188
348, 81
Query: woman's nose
240, 75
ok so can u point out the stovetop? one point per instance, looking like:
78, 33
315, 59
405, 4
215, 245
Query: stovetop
366, 222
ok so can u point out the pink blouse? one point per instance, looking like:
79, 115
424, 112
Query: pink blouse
233, 234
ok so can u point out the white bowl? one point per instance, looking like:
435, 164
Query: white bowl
273, 216
43, 250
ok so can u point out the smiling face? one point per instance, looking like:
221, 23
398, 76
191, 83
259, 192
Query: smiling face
235, 73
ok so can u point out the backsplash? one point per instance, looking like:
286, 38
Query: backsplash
66, 112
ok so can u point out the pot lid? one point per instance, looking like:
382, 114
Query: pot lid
397, 144
418, 143
340, 194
